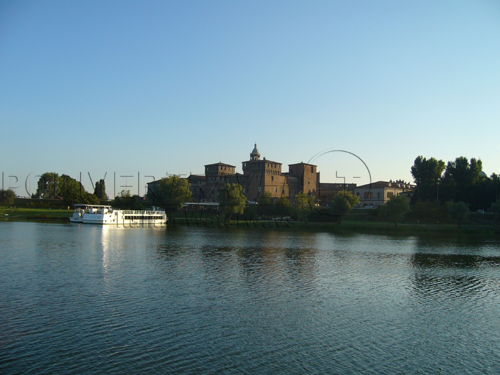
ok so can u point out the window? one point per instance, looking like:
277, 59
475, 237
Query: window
312, 169
258, 189
275, 189
390, 194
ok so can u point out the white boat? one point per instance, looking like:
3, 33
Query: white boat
80, 210
101, 214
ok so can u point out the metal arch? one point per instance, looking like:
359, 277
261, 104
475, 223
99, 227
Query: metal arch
319, 154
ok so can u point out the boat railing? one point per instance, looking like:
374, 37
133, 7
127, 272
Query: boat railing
141, 212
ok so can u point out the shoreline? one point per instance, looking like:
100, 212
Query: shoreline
347, 226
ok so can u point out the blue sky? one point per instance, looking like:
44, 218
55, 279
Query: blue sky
122, 87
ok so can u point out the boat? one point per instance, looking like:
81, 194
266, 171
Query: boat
80, 210
102, 214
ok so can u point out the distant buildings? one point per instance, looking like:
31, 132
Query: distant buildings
378, 193
265, 176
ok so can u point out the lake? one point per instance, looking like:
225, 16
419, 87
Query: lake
83, 299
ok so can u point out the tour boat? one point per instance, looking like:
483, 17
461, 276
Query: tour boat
80, 210
101, 214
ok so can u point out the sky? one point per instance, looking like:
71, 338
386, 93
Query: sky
152, 88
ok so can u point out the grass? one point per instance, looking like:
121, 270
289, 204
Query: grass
21, 214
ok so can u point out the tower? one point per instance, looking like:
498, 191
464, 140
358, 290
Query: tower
255, 154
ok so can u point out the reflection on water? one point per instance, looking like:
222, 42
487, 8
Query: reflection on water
86, 299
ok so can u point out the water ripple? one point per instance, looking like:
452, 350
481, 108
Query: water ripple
92, 300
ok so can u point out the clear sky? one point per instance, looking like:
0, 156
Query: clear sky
150, 87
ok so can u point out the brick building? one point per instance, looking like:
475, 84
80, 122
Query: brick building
259, 176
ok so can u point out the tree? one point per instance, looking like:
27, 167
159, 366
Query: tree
265, 205
427, 175
129, 202
7, 197
72, 191
48, 185
460, 178
395, 209
427, 171
231, 199
457, 212
304, 204
265, 199
341, 204
282, 206
100, 190
464, 172
171, 193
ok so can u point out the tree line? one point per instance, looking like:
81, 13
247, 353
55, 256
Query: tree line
52, 186
461, 180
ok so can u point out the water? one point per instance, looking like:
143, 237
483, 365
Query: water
83, 299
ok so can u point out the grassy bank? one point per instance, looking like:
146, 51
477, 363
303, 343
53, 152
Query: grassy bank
22, 214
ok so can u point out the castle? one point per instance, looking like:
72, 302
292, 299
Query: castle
259, 176
265, 176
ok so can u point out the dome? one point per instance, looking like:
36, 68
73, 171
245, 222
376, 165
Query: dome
255, 154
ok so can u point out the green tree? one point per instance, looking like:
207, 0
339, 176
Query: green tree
124, 194
304, 204
126, 201
427, 171
171, 193
231, 200
342, 203
464, 172
283, 206
48, 185
265, 199
7, 197
100, 190
72, 191
460, 178
457, 212
395, 209
427, 175
265, 205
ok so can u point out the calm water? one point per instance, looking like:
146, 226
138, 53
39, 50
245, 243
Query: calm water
86, 299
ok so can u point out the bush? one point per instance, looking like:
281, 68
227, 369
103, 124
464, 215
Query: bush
7, 197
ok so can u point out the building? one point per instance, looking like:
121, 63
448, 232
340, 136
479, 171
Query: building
259, 176
327, 190
378, 193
